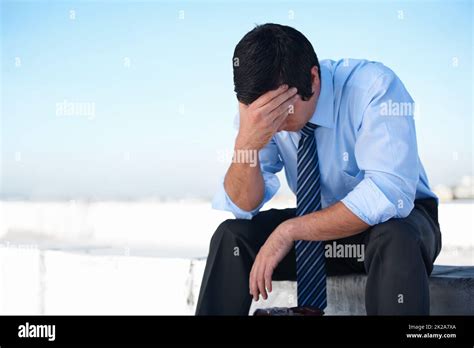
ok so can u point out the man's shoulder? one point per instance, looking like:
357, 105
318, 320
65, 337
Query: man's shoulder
357, 73
350, 65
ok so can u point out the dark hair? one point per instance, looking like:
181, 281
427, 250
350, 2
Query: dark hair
271, 55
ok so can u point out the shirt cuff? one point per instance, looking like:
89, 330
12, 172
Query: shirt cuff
369, 203
222, 201
225, 203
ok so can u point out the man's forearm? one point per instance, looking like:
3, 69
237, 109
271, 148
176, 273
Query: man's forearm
245, 186
333, 222
259, 121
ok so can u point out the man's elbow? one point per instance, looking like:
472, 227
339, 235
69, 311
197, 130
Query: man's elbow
404, 202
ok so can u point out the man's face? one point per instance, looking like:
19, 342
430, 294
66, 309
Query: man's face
303, 110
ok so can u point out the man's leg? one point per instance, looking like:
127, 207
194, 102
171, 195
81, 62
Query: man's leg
350, 263
233, 248
399, 258
397, 263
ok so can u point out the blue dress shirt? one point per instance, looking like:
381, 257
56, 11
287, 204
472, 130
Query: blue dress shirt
366, 142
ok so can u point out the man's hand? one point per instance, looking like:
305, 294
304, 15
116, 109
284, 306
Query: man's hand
333, 222
260, 120
271, 253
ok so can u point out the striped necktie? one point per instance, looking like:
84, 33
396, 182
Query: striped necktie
310, 260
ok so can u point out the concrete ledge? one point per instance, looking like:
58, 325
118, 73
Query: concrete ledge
451, 293
452, 290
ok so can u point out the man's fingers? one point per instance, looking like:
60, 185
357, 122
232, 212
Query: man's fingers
284, 107
253, 283
276, 102
267, 97
279, 121
286, 111
268, 277
261, 281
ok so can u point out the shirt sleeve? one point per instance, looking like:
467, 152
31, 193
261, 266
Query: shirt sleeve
270, 164
386, 151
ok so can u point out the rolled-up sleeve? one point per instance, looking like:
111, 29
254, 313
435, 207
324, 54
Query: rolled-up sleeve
386, 150
270, 164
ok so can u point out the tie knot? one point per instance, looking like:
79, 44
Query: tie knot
308, 129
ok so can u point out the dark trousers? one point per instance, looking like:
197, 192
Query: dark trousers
398, 259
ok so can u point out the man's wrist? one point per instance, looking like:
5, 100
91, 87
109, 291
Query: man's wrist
289, 229
242, 143
298, 228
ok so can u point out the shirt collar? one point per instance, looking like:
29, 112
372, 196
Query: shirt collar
324, 113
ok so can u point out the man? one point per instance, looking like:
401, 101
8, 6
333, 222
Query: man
345, 134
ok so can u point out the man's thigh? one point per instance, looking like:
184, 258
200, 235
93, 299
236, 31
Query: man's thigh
267, 221
418, 229
345, 255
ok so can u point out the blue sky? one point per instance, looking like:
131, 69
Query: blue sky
163, 95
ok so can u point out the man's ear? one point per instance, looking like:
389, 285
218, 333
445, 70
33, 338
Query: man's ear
315, 82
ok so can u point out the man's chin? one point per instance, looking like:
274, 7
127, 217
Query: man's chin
289, 128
